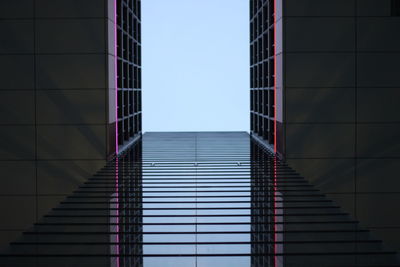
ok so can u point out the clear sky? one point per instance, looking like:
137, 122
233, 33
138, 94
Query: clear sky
195, 59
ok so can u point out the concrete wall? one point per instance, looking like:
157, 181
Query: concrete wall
340, 105
54, 101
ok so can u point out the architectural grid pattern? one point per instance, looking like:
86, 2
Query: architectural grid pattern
337, 115
53, 101
197, 199
128, 70
262, 68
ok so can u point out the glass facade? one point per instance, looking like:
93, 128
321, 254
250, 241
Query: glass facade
262, 69
197, 199
335, 83
129, 71
206, 198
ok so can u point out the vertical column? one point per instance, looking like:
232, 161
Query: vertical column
262, 70
279, 132
378, 123
70, 81
17, 119
53, 97
319, 94
127, 50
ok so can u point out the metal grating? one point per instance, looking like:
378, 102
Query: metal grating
197, 199
128, 70
262, 56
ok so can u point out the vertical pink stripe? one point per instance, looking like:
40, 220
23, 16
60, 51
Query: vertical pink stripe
116, 77
276, 264
116, 131
275, 79
275, 214
117, 211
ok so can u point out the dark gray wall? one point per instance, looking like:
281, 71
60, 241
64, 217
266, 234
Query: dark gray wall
54, 93
341, 114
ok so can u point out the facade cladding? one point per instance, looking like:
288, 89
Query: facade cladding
336, 90
58, 99
129, 71
262, 69
197, 199
324, 86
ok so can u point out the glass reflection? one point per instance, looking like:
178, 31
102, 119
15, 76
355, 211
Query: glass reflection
196, 199
126, 210
266, 210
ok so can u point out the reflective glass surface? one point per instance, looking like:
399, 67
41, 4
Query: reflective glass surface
197, 199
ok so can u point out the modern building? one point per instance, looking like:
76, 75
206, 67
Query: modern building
80, 185
197, 199
65, 67
324, 90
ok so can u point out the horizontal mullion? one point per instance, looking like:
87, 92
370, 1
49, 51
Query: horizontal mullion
203, 243
203, 208
200, 223
192, 232
180, 255
194, 196
141, 186
194, 202
251, 182
272, 189
194, 215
